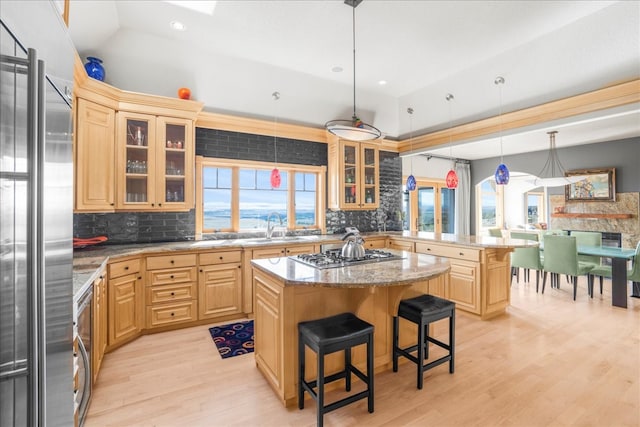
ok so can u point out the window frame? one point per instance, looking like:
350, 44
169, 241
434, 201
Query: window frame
499, 196
235, 166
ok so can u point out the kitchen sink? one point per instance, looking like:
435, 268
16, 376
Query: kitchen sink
278, 239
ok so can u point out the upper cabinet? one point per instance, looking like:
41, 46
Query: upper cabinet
94, 157
353, 175
155, 162
133, 152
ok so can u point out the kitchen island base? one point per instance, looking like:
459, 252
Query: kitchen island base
279, 309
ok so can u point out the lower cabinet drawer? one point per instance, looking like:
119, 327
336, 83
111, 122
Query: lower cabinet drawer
455, 252
172, 276
162, 315
168, 293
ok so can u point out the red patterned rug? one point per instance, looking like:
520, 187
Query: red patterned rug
233, 339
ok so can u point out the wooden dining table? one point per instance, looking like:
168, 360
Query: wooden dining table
619, 258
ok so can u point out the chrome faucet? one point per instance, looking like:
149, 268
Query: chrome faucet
270, 226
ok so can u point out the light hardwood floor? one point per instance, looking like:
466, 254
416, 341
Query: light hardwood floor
550, 361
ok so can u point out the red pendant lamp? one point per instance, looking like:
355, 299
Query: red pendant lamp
452, 177
275, 173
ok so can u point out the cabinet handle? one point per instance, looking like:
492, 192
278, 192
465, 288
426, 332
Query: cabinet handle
461, 254
126, 267
111, 204
428, 249
139, 277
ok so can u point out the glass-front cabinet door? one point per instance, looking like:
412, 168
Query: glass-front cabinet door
350, 175
136, 138
370, 177
174, 173
155, 160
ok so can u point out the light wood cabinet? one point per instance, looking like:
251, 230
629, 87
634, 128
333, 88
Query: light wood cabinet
375, 243
171, 293
155, 162
99, 329
401, 245
353, 175
125, 301
220, 284
94, 157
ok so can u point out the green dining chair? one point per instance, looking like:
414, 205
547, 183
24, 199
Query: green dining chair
495, 232
561, 257
633, 275
526, 258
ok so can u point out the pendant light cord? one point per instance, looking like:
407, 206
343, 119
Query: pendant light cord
276, 96
410, 111
354, 63
499, 81
449, 98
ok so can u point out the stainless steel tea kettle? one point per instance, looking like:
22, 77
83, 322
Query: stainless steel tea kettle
353, 248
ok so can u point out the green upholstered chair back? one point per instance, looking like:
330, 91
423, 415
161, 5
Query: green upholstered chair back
588, 238
524, 236
634, 274
526, 257
495, 232
561, 255
555, 232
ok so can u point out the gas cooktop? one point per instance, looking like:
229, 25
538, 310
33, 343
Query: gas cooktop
334, 259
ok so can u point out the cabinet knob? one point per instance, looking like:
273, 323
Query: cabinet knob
429, 249
171, 276
201, 271
461, 253
153, 204
139, 277
172, 261
159, 204
172, 314
101, 276
111, 204
221, 258
126, 267
173, 293
239, 266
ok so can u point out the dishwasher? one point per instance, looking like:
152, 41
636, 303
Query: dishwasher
82, 354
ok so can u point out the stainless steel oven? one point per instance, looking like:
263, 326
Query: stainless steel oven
82, 358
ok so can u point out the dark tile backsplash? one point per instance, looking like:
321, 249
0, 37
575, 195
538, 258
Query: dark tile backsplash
136, 227
145, 227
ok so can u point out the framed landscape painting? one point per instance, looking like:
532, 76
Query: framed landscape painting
598, 185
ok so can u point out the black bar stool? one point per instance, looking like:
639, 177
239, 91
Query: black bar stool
328, 335
423, 310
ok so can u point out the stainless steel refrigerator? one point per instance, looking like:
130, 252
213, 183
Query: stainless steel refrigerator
36, 197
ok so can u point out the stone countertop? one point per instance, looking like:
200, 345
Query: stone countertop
410, 269
483, 242
88, 262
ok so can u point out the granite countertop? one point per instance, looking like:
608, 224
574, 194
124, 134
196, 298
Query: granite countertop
410, 269
484, 242
88, 262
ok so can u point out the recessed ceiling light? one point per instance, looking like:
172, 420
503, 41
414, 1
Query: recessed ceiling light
382, 82
337, 69
177, 25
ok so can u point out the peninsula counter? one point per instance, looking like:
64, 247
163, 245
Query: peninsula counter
288, 292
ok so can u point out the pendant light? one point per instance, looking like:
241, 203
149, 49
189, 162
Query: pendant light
452, 177
354, 129
275, 173
411, 180
502, 172
552, 173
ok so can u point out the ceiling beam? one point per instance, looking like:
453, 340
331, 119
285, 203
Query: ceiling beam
601, 99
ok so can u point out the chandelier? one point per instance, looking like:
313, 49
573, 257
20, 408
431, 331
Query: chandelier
552, 173
353, 129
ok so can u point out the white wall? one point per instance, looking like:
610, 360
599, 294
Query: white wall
423, 167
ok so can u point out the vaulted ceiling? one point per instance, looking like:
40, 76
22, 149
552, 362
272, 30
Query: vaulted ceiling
236, 56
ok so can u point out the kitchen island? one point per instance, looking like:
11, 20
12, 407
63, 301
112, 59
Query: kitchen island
288, 292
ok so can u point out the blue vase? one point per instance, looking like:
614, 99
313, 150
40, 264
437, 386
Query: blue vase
94, 68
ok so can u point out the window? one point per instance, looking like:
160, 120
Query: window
236, 196
431, 207
535, 206
489, 198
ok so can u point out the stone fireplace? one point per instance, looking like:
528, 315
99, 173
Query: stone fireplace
621, 216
